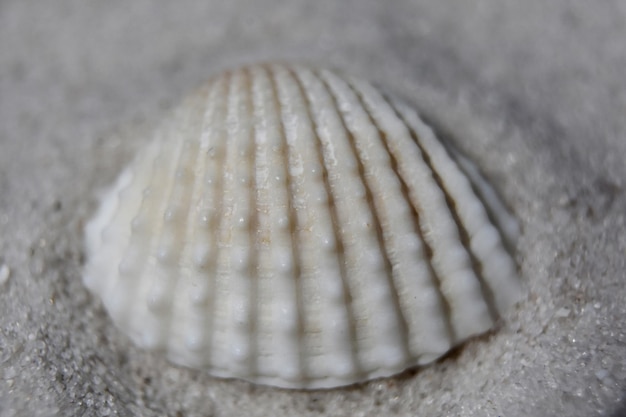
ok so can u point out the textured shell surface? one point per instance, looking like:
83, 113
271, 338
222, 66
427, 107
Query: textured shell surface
298, 228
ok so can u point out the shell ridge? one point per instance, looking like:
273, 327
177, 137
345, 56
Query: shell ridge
131, 235
95, 236
440, 303
369, 180
451, 203
428, 250
364, 261
471, 225
298, 76
219, 357
123, 186
262, 217
285, 106
239, 338
253, 224
170, 244
352, 210
218, 154
142, 317
183, 307
127, 286
110, 212
270, 206
172, 239
443, 233
327, 351
506, 226
498, 213
292, 217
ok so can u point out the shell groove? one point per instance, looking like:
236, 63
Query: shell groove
297, 228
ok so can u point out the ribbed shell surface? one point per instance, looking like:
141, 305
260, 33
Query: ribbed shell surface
297, 228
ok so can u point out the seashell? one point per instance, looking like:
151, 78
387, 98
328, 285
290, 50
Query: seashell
297, 228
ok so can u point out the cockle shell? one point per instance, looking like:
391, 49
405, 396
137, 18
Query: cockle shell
297, 228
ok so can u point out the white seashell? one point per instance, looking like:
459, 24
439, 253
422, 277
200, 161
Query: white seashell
297, 228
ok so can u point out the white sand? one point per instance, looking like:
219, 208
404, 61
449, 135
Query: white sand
533, 91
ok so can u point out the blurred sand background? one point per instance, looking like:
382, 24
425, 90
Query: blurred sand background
533, 91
